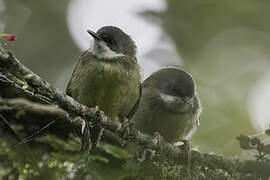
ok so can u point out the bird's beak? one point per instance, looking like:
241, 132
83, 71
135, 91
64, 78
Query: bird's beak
94, 35
189, 101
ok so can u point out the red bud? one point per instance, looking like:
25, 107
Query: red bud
9, 37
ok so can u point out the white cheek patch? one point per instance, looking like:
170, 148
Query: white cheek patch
101, 50
167, 98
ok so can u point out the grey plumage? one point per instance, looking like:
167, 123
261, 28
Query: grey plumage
169, 105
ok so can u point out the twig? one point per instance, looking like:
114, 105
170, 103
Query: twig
32, 157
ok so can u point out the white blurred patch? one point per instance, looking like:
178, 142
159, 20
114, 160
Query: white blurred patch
2, 10
155, 49
15, 24
259, 106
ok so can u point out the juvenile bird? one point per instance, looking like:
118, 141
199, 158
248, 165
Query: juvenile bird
107, 75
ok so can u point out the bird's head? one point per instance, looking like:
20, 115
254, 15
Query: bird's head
111, 41
175, 87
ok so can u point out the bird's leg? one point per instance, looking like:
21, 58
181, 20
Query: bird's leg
143, 154
87, 144
81, 121
151, 153
95, 131
86, 140
140, 154
185, 146
187, 150
159, 140
85, 135
126, 126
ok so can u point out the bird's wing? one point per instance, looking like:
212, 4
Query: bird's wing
199, 110
68, 91
136, 105
95, 131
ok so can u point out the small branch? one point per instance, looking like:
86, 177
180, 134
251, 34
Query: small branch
23, 111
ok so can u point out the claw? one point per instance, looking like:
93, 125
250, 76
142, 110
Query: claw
83, 126
81, 121
77, 119
102, 115
86, 141
95, 109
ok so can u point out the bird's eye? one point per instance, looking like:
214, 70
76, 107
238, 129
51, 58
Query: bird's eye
173, 89
111, 41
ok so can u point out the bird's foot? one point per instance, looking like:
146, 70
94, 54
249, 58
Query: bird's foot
184, 146
85, 135
187, 151
143, 154
95, 109
140, 154
81, 121
150, 154
126, 126
159, 140
86, 140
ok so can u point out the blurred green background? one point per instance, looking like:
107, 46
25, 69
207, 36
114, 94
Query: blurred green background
224, 44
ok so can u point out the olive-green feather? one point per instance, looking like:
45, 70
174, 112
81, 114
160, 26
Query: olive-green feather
111, 84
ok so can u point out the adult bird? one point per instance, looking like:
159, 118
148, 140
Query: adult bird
169, 106
108, 76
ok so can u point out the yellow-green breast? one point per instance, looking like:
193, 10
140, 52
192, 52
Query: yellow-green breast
110, 84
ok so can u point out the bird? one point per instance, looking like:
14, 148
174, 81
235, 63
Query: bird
107, 76
169, 105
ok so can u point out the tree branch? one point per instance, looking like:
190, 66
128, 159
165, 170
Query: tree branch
23, 111
34, 86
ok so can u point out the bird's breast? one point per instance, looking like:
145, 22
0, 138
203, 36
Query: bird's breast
110, 86
153, 116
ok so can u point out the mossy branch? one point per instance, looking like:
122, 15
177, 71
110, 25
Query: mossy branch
34, 85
